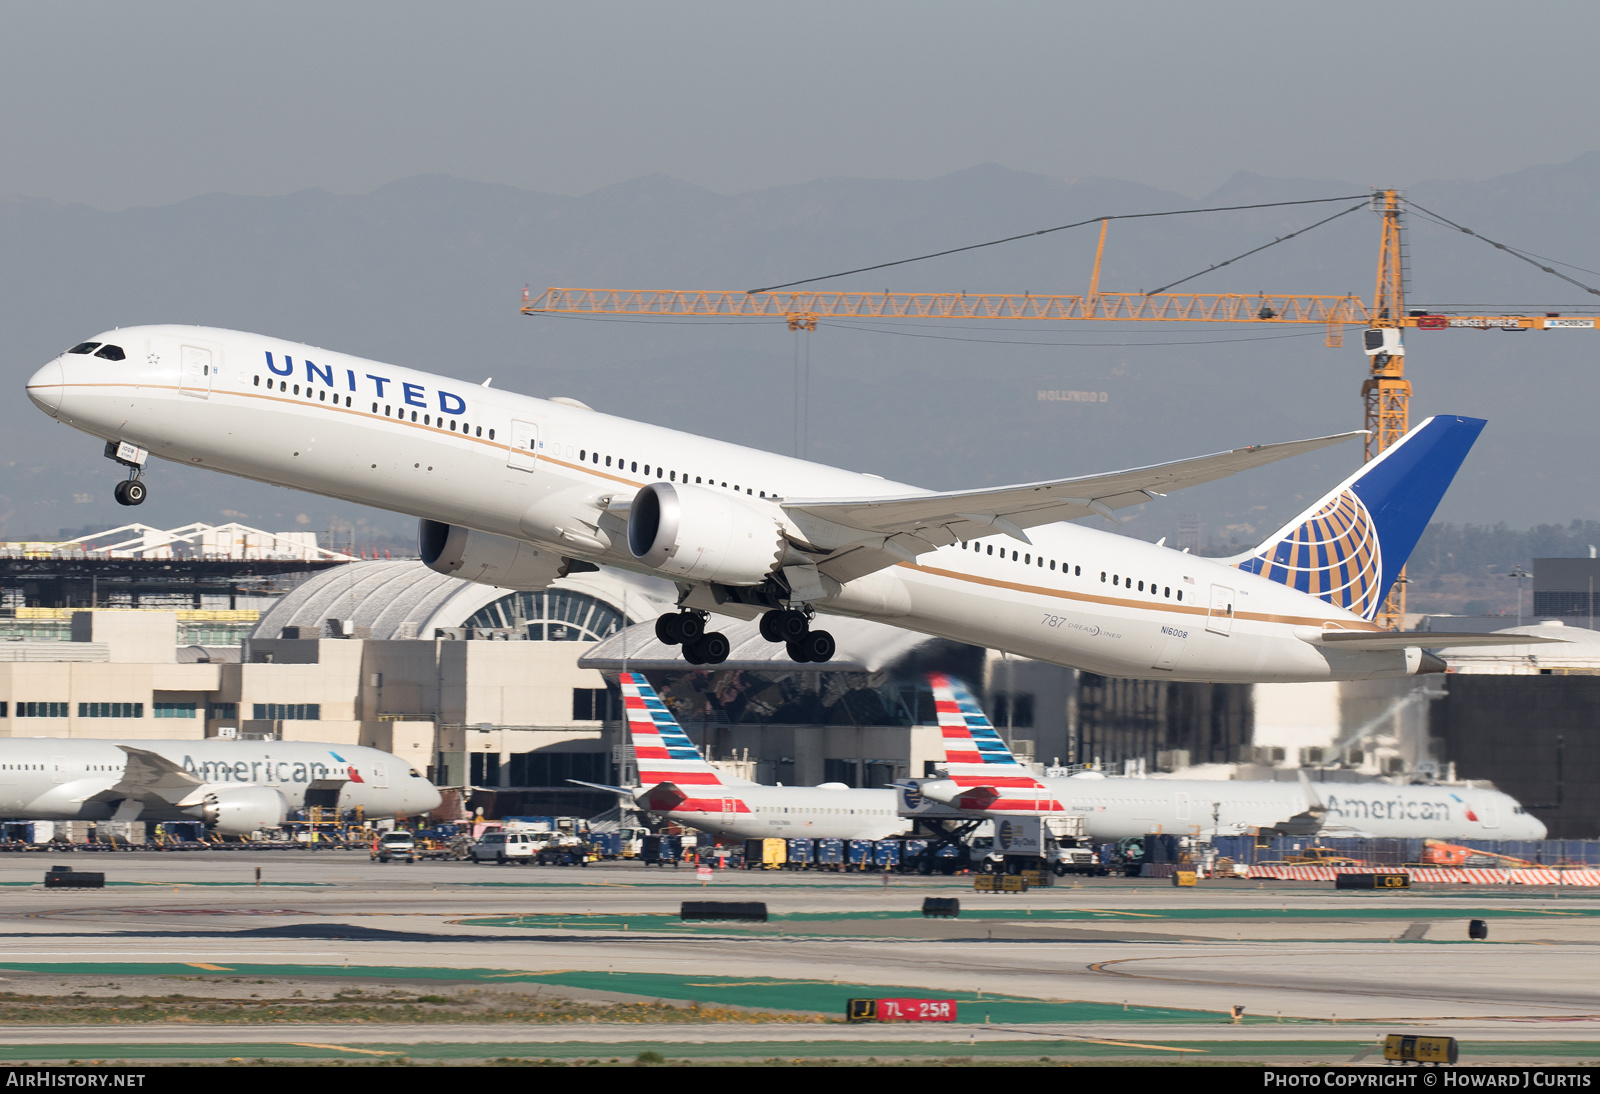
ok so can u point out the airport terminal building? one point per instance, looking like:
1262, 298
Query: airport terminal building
510, 694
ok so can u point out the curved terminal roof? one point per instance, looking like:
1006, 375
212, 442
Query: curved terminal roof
1577, 650
405, 599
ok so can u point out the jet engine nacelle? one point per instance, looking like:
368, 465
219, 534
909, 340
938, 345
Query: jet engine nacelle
487, 559
240, 810
703, 535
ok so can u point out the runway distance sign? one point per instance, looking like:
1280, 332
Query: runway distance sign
900, 1010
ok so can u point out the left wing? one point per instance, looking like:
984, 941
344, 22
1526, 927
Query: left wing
891, 529
148, 775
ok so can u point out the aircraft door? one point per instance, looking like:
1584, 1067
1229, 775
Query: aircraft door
1489, 814
1219, 619
58, 769
730, 809
194, 373
1183, 805
524, 447
380, 776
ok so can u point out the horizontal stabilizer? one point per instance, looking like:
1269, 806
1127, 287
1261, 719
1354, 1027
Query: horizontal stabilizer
620, 791
1399, 640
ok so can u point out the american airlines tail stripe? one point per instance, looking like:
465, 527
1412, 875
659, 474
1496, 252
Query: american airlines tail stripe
663, 749
693, 778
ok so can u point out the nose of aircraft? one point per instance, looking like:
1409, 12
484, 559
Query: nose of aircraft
425, 797
45, 387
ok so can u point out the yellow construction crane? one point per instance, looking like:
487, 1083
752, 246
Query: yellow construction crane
1385, 393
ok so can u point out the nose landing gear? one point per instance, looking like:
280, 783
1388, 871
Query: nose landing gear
130, 491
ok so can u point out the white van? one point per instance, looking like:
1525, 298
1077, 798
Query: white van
504, 847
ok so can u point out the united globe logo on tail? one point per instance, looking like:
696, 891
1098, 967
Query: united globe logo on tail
1335, 556
1349, 547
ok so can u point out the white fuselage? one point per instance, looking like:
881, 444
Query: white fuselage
545, 472
1114, 808
46, 778
810, 811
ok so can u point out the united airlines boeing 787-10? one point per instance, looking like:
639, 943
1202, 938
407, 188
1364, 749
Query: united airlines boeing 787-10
515, 491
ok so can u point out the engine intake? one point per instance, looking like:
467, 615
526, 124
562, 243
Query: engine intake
240, 810
487, 559
703, 535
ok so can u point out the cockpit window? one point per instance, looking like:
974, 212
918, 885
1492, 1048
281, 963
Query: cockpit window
111, 353
84, 347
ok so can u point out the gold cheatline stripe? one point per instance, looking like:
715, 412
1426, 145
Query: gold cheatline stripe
1060, 594
1089, 598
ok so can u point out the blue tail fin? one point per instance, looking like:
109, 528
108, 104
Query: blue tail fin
1349, 547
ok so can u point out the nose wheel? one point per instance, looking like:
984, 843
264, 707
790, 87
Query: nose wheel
129, 492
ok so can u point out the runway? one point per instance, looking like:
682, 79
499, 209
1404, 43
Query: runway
1081, 969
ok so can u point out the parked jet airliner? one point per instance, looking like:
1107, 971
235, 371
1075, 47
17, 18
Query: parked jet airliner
516, 491
676, 782
233, 787
984, 779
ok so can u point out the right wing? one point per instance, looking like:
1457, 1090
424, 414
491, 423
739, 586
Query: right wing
148, 775
850, 537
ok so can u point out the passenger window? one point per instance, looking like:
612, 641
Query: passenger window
346, 400
672, 476
636, 468
991, 548
1141, 586
426, 420
297, 389
84, 347
608, 461
1027, 560
1168, 592
1180, 594
258, 381
583, 454
111, 353
387, 410
491, 434
479, 432
1077, 571
322, 396
374, 408
413, 415
1052, 564
452, 425
1102, 575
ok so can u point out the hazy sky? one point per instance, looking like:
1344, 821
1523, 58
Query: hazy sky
137, 104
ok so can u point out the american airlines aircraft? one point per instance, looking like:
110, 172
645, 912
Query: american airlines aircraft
515, 491
984, 779
677, 783
234, 787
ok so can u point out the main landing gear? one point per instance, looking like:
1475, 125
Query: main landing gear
688, 629
792, 627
